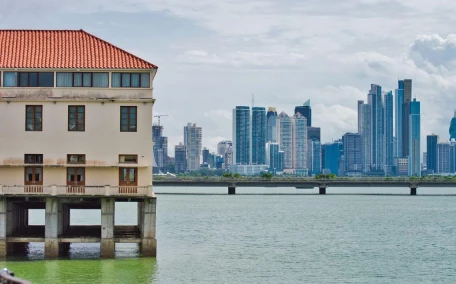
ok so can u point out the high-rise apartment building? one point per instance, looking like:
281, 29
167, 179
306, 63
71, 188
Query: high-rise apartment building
377, 126
271, 125
273, 158
414, 139
228, 158
352, 153
206, 156
193, 139
364, 130
160, 147
388, 129
258, 136
443, 157
399, 107
299, 147
305, 111
223, 146
431, 156
314, 156
180, 158
241, 135
406, 86
285, 138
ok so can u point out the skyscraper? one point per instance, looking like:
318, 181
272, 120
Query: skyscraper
271, 125
180, 158
377, 125
299, 126
452, 129
352, 153
272, 157
414, 139
333, 152
443, 157
160, 147
223, 146
365, 134
193, 138
285, 139
241, 135
399, 107
206, 156
305, 111
314, 157
258, 136
314, 133
406, 85
388, 128
431, 157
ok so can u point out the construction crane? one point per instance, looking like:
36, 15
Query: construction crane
160, 115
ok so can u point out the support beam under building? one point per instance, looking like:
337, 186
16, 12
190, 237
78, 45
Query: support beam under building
52, 226
231, 189
3, 227
148, 244
108, 245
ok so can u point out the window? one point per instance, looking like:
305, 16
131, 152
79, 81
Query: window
83, 79
128, 159
28, 79
130, 80
76, 118
128, 116
75, 159
75, 176
33, 158
33, 118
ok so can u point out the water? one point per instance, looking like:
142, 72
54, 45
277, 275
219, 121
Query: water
250, 238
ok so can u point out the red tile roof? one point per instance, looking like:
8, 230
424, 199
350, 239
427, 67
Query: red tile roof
63, 49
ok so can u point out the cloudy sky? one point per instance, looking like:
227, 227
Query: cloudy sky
213, 55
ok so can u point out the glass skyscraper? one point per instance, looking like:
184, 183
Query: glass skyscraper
399, 101
377, 125
305, 111
406, 85
314, 157
258, 136
299, 141
271, 125
285, 139
332, 154
431, 148
388, 128
241, 135
414, 139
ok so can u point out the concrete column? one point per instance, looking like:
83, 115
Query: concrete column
232, 189
3, 226
108, 246
52, 226
148, 222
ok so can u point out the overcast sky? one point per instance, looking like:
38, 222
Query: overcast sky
213, 55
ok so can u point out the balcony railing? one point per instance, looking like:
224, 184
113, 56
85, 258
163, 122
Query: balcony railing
57, 190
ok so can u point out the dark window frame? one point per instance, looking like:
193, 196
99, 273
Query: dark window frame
27, 85
128, 155
34, 118
76, 107
82, 80
129, 74
128, 118
37, 159
79, 162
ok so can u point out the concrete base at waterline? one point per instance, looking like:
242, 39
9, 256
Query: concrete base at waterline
51, 248
148, 247
107, 248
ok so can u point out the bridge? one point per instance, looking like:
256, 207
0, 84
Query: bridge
301, 183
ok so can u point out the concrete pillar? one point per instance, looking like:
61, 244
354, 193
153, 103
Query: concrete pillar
322, 189
232, 189
148, 225
3, 226
107, 246
412, 190
52, 226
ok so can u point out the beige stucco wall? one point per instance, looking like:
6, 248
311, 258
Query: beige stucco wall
101, 142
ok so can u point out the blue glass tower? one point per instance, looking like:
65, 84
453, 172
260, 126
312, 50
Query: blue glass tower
399, 119
414, 139
377, 124
333, 152
258, 136
271, 125
431, 150
388, 128
241, 135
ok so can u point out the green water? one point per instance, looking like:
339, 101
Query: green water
291, 238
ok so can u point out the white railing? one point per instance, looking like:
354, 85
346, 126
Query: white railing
55, 190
